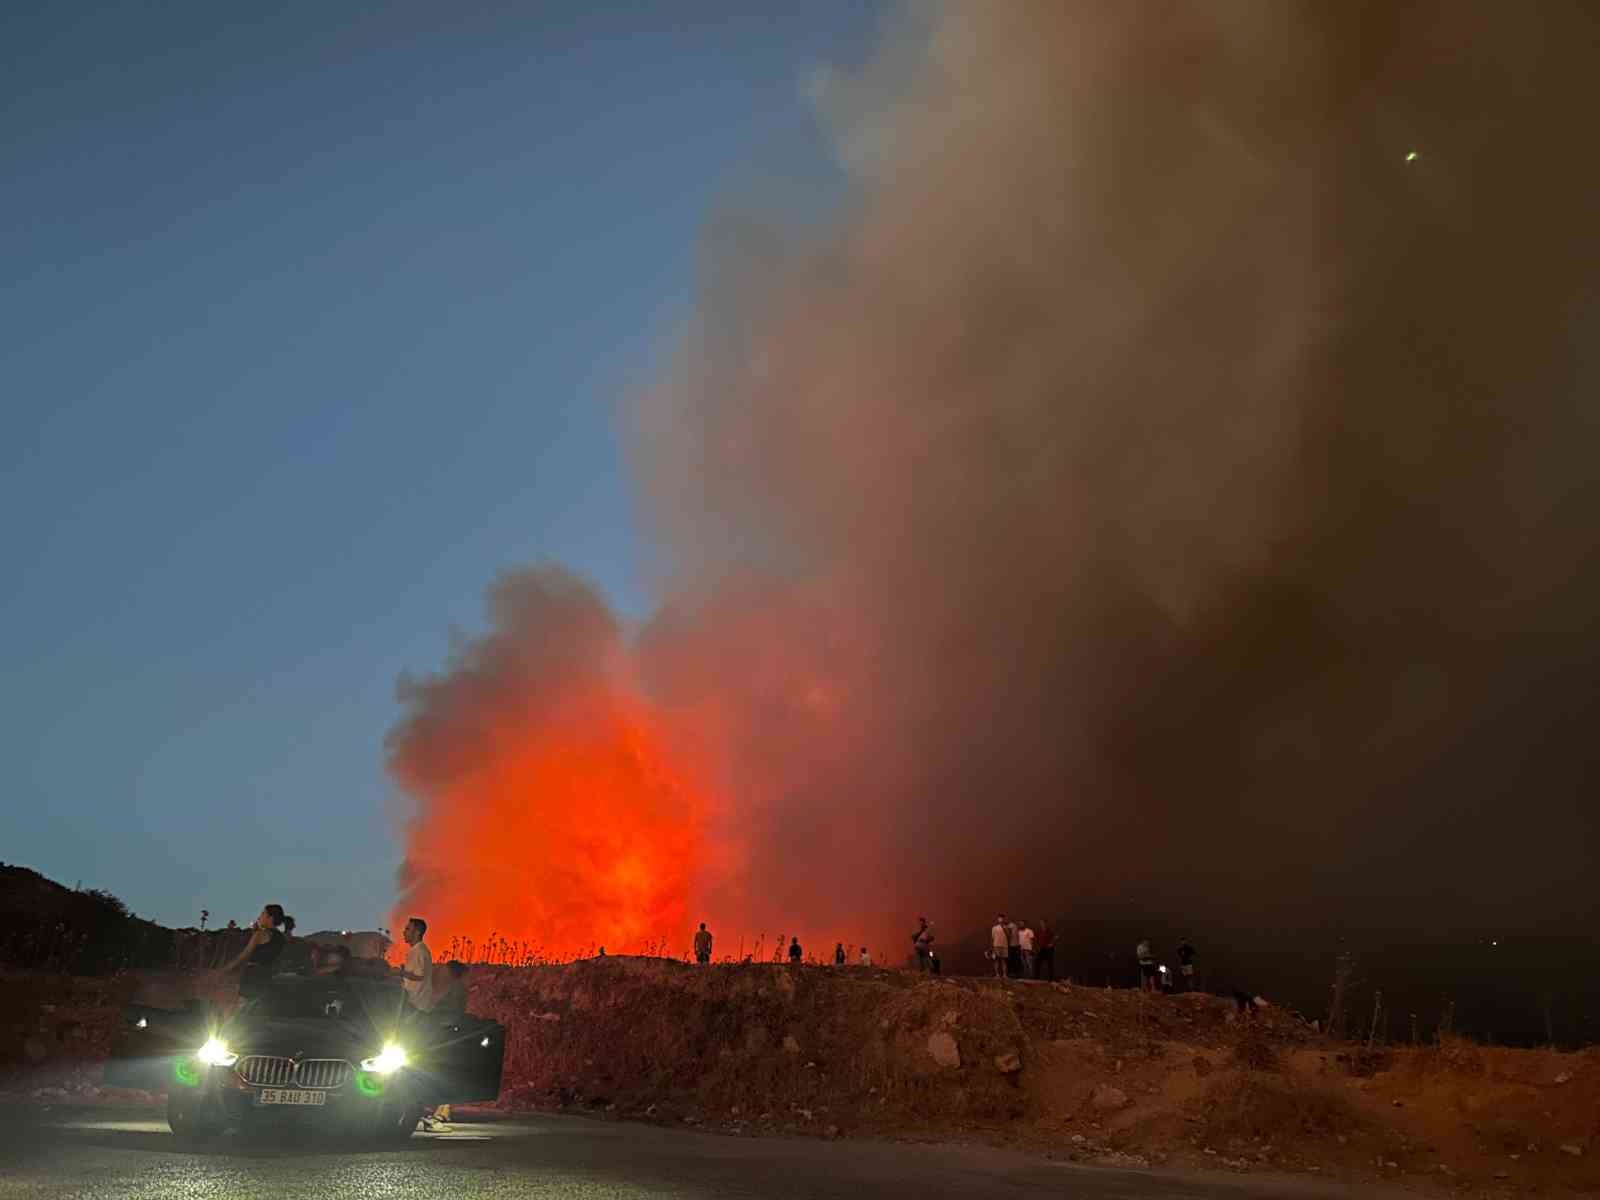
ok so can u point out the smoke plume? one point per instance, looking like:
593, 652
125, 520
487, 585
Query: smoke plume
1168, 488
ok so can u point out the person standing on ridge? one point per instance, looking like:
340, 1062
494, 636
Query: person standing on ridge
1044, 954
1025, 941
922, 943
838, 954
1013, 950
1186, 956
702, 945
866, 957
997, 946
794, 950
1147, 965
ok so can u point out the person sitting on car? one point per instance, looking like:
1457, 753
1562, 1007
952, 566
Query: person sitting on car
268, 937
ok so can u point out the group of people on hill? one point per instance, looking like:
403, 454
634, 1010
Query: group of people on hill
796, 953
1156, 978
1019, 951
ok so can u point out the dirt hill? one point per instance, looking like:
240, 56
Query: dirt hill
1100, 1075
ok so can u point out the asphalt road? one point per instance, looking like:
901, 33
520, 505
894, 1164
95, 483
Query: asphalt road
129, 1155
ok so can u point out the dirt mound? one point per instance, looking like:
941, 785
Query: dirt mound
755, 1043
1114, 1077
56, 1030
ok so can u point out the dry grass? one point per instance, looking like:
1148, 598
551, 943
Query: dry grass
1250, 1106
1255, 1053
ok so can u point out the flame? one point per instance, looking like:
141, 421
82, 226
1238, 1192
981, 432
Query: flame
554, 813
563, 837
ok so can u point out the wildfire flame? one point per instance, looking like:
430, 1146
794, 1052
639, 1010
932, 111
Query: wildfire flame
552, 817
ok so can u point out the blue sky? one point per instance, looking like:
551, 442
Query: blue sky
314, 317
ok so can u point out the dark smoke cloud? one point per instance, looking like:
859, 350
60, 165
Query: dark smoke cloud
1157, 494
1158, 497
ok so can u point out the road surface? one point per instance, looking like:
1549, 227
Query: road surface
100, 1154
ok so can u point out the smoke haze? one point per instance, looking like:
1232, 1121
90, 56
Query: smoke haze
1160, 493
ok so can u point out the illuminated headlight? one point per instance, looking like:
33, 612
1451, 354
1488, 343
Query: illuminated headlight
215, 1054
390, 1060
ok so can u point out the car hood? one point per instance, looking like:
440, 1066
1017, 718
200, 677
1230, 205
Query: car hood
305, 1038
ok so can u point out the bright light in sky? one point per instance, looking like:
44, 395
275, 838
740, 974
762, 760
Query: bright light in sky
1412, 157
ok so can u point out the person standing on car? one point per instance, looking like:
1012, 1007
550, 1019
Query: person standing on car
417, 975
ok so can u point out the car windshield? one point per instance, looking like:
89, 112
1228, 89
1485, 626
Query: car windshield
293, 997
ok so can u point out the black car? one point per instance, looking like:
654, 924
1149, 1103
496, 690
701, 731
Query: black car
329, 1051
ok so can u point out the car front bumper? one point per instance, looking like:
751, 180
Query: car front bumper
364, 1097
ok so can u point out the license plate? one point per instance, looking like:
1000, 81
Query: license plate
290, 1096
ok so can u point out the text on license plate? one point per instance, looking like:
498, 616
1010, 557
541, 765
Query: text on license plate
290, 1096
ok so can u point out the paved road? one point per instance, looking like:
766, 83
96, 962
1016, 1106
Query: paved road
128, 1155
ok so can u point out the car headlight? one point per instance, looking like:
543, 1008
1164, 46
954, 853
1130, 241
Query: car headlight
215, 1054
389, 1060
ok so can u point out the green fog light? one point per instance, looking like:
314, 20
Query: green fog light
183, 1070
368, 1084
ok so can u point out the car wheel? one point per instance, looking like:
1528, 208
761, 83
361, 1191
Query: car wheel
194, 1118
397, 1122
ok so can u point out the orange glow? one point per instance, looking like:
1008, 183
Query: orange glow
555, 832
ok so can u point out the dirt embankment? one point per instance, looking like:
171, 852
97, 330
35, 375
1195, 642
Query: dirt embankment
1095, 1075
1083, 1073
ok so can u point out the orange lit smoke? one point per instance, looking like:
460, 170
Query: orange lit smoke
550, 816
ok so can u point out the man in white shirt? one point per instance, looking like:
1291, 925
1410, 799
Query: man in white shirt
866, 957
417, 974
1025, 940
997, 946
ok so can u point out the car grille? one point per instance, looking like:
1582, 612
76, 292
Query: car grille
266, 1072
323, 1073
270, 1071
